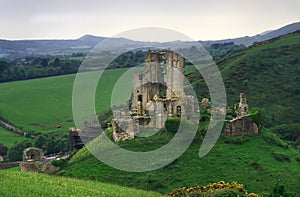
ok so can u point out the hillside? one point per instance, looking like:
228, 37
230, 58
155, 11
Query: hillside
268, 73
249, 40
43, 185
8, 138
258, 162
41, 104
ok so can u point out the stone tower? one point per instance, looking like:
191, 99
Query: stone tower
243, 107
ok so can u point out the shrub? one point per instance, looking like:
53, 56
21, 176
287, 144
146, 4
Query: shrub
172, 124
15, 153
273, 139
221, 189
289, 132
256, 116
279, 190
3, 149
59, 162
236, 140
281, 157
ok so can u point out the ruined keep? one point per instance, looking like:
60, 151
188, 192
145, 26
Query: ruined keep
243, 124
158, 93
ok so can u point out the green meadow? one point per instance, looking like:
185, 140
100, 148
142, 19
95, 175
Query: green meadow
41, 104
28, 184
8, 138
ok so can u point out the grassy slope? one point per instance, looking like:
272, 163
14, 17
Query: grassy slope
8, 139
251, 164
41, 104
27, 184
269, 75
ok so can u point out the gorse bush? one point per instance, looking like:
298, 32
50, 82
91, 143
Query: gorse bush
220, 189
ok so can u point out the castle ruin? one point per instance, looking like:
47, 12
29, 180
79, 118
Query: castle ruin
157, 94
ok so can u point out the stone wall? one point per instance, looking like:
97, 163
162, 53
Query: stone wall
8, 165
124, 129
29, 166
242, 126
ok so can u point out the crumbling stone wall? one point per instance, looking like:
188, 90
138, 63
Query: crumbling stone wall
242, 126
124, 129
32, 154
29, 166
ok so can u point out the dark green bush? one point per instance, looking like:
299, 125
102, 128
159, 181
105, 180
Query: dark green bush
255, 114
59, 163
273, 139
15, 153
236, 140
290, 132
172, 124
281, 157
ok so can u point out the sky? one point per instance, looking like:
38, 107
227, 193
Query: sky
200, 20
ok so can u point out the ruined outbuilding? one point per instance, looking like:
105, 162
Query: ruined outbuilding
32, 158
158, 93
32, 154
243, 124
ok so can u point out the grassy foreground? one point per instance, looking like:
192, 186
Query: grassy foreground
28, 184
258, 162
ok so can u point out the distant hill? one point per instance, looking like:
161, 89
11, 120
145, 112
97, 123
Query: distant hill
268, 73
23, 48
249, 40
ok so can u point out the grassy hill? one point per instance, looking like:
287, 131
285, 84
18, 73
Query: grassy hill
268, 73
41, 104
258, 162
28, 184
8, 138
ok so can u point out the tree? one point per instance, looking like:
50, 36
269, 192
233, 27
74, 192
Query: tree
56, 62
3, 150
3, 66
44, 63
15, 153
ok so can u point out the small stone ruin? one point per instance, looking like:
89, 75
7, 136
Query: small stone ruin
242, 125
32, 158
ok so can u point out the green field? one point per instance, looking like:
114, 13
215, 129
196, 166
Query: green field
8, 138
247, 160
28, 184
41, 104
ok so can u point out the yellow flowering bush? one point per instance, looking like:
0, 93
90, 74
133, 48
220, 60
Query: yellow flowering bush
213, 189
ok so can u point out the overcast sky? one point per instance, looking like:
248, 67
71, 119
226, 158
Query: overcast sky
201, 20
